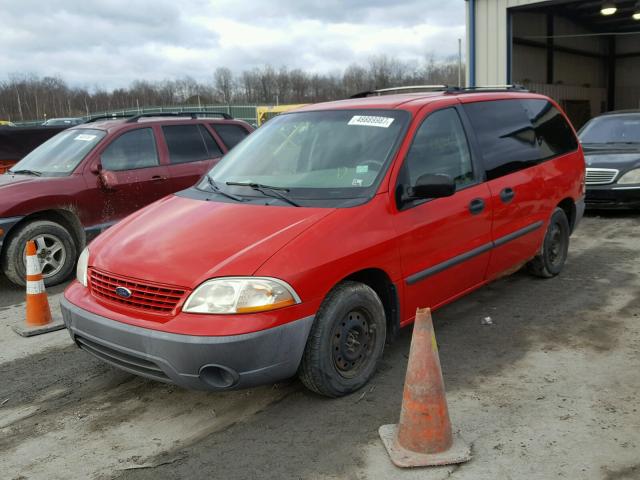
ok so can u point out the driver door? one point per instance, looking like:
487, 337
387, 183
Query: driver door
130, 175
445, 242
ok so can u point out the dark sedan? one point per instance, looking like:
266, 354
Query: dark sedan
611, 145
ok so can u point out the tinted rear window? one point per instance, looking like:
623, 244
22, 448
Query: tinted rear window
189, 143
231, 134
517, 134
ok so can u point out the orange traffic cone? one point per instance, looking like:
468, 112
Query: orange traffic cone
38, 311
423, 436
39, 318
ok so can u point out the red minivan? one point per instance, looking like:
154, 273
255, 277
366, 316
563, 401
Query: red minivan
88, 177
313, 241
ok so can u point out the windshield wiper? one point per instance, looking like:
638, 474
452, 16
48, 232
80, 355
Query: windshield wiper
214, 186
275, 191
35, 173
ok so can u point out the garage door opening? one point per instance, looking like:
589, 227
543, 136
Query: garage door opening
571, 51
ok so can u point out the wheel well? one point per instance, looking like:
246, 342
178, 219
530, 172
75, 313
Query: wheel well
380, 282
569, 207
66, 218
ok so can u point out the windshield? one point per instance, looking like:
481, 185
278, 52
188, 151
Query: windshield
61, 154
315, 155
612, 129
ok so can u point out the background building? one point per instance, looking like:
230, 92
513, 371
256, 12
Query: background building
585, 54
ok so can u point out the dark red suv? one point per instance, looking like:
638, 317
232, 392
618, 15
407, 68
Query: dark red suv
88, 177
310, 244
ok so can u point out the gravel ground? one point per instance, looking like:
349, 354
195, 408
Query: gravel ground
548, 390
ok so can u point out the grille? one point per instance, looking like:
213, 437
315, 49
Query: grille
119, 359
600, 176
144, 296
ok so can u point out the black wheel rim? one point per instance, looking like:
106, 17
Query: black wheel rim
353, 341
556, 244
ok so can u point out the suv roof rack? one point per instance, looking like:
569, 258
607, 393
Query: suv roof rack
193, 115
107, 117
380, 91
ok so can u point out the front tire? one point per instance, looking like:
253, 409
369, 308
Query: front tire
555, 247
346, 341
57, 252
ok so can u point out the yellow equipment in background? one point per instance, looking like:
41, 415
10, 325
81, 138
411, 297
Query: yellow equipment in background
264, 113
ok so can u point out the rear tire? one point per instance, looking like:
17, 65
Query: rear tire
555, 247
55, 244
346, 341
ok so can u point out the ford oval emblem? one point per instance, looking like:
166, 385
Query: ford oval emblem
123, 292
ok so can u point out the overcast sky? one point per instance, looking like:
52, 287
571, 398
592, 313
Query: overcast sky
109, 43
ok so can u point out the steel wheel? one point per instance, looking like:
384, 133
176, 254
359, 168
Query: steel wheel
353, 341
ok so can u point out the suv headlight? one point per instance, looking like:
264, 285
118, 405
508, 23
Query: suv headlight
240, 295
83, 265
632, 176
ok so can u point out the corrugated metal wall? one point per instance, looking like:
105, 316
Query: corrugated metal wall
491, 39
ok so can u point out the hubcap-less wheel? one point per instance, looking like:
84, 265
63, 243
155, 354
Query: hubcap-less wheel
51, 254
353, 341
556, 244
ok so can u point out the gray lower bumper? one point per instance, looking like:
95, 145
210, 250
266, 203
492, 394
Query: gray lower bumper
204, 363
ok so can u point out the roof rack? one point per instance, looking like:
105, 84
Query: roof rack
488, 88
380, 91
193, 115
107, 117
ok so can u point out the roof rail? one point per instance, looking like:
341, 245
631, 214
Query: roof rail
488, 88
380, 91
193, 115
107, 117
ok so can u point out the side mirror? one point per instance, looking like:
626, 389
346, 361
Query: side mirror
95, 168
433, 186
108, 179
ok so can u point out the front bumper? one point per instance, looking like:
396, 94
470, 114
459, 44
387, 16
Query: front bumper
195, 362
7, 224
613, 196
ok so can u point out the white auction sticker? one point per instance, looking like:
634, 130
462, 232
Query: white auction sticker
85, 137
371, 121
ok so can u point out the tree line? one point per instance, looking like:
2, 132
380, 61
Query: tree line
30, 97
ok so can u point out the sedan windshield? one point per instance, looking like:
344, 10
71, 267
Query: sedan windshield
315, 155
612, 129
61, 154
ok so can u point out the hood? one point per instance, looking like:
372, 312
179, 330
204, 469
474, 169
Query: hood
610, 158
10, 179
181, 241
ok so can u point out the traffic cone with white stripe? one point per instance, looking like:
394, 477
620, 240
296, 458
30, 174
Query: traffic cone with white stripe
39, 319
38, 311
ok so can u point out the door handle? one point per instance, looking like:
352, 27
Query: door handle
476, 206
158, 178
507, 194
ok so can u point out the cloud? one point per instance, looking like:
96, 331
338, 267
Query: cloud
111, 43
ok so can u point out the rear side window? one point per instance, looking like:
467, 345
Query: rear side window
230, 134
440, 147
517, 134
189, 143
553, 133
130, 151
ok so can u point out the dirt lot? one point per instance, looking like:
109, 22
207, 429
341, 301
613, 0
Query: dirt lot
549, 390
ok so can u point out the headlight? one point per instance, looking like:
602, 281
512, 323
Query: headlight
632, 176
83, 265
240, 295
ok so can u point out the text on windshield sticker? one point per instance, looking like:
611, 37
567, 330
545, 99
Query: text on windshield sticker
370, 121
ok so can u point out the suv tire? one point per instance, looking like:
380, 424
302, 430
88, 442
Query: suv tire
55, 243
555, 246
346, 341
